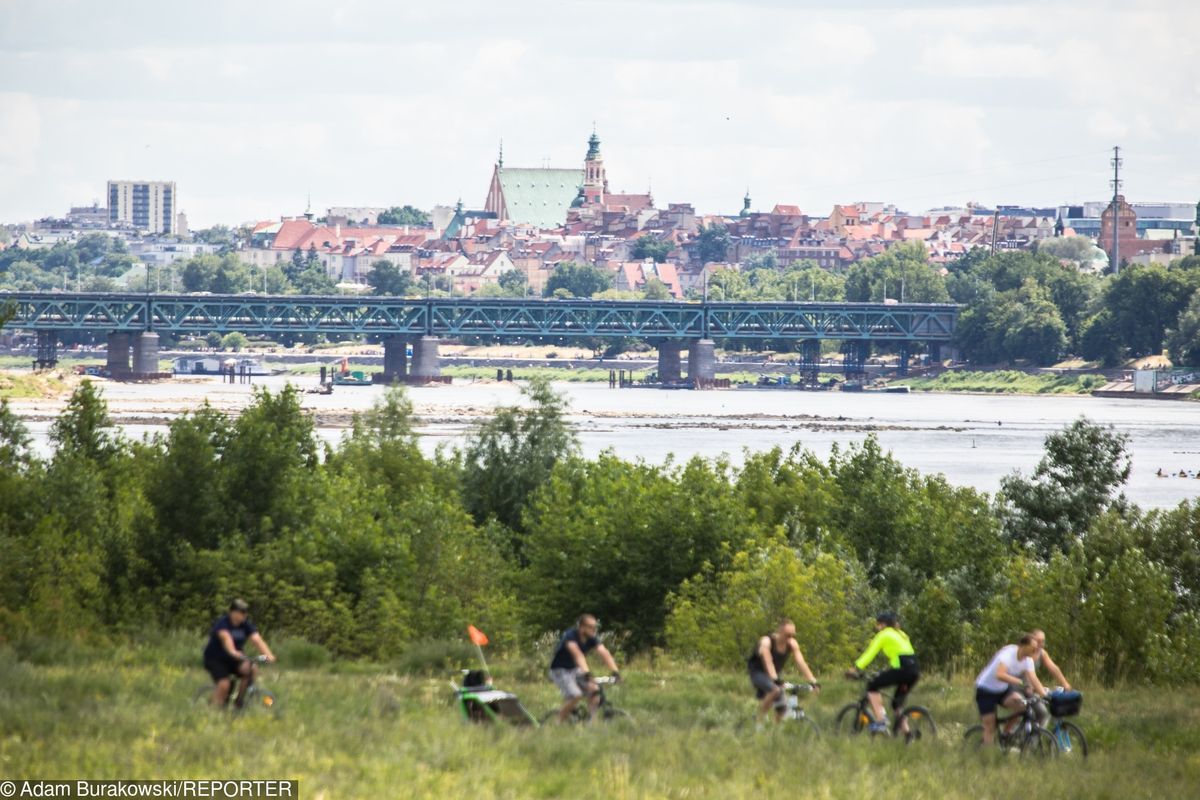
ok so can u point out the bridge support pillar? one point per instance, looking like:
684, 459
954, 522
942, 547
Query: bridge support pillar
702, 363
904, 356
145, 354
118, 354
425, 358
669, 369
395, 360
47, 350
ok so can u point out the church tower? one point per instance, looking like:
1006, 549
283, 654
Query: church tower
595, 182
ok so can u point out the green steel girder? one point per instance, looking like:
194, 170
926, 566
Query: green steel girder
517, 318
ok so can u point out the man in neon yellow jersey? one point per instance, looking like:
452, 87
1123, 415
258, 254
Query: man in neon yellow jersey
902, 673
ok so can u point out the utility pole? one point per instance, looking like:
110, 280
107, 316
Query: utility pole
1116, 221
995, 228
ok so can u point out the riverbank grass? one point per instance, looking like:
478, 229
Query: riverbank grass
362, 730
1004, 382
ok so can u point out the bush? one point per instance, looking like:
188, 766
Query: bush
298, 653
436, 657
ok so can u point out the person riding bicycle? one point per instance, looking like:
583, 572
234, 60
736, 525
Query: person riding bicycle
903, 670
224, 657
569, 668
1002, 681
1043, 659
768, 658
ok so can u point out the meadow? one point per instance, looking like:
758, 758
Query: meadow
1004, 382
355, 729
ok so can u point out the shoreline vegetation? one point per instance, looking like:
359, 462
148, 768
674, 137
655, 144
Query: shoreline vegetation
365, 560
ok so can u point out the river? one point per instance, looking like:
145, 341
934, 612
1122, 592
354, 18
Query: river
974, 440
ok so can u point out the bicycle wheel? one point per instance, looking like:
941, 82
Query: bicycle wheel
852, 719
920, 724
802, 726
973, 737
1070, 739
1040, 744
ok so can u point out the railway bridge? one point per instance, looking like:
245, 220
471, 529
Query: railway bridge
132, 321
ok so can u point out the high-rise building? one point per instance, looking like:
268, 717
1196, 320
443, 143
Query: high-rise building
146, 205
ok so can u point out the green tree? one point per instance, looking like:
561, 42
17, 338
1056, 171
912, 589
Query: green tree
404, 215
649, 247
1146, 300
234, 341
1085, 464
386, 278
901, 270
712, 243
1099, 339
656, 290
1183, 341
514, 283
509, 456
718, 616
579, 280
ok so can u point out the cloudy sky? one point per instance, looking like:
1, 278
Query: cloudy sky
253, 105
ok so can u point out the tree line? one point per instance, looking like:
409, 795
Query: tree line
370, 547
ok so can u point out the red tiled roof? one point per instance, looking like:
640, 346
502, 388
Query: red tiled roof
787, 210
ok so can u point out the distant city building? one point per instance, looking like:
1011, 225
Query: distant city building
93, 216
145, 205
353, 215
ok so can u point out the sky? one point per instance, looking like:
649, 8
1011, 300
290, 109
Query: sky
254, 107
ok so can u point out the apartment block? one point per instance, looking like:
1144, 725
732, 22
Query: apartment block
146, 205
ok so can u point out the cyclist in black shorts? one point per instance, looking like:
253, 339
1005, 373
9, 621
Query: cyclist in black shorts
768, 658
903, 672
224, 657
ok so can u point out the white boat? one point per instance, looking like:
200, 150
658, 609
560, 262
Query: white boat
196, 365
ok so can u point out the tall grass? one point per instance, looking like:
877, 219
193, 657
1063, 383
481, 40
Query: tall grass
375, 732
1005, 382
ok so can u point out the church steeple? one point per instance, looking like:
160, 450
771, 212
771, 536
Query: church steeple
746, 204
500, 160
595, 181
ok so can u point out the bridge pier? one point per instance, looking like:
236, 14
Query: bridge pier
145, 354
669, 366
47, 350
810, 361
395, 360
854, 358
904, 356
702, 363
425, 358
118, 354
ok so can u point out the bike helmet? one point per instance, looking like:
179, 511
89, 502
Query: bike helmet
887, 617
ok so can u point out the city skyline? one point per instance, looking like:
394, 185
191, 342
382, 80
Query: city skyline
252, 111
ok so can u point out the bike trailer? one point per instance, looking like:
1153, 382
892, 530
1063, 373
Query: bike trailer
1065, 704
479, 701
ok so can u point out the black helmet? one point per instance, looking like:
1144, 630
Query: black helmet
887, 617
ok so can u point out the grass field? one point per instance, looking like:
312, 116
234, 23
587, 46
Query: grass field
357, 730
1004, 382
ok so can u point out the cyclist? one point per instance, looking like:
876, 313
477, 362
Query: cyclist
768, 658
1001, 682
1043, 659
903, 671
569, 668
224, 657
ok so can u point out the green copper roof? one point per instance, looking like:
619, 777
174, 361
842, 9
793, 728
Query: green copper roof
593, 146
539, 196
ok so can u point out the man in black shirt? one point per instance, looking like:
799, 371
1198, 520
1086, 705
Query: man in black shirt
569, 667
224, 657
768, 658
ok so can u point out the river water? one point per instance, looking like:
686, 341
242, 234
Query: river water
974, 440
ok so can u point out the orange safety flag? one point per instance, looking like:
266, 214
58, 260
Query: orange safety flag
477, 636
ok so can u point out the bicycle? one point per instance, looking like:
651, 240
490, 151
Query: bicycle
913, 722
794, 717
1028, 737
256, 695
605, 711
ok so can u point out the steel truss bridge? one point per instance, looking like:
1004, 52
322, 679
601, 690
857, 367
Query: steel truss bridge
904, 323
